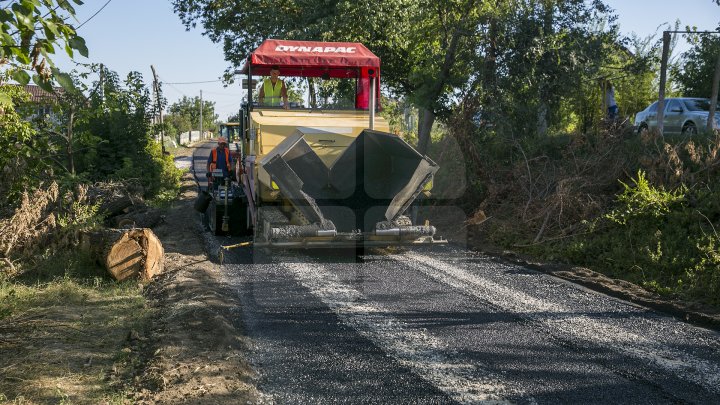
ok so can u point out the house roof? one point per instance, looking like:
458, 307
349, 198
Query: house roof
38, 95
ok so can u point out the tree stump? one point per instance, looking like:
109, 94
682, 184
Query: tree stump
127, 253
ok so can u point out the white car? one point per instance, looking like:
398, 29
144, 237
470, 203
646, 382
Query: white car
682, 115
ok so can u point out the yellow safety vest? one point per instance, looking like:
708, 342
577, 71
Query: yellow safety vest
272, 93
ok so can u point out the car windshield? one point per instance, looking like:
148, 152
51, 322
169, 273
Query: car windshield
699, 105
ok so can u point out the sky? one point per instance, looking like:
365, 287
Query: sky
131, 35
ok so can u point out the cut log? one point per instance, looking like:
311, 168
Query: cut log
127, 253
145, 217
115, 204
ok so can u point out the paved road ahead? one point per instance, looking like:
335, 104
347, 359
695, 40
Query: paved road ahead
443, 325
438, 325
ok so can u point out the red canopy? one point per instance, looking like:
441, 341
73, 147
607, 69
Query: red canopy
313, 59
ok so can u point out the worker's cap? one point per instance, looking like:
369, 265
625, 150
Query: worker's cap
274, 67
221, 139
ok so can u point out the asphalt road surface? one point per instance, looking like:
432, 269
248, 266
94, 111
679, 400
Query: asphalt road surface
446, 325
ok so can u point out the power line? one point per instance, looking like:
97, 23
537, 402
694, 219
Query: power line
207, 81
229, 105
176, 89
222, 94
93, 16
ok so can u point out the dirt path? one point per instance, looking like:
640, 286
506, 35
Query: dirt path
196, 349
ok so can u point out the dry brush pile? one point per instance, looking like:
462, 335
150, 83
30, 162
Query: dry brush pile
49, 220
645, 208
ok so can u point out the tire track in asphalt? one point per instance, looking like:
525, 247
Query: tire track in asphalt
566, 323
421, 352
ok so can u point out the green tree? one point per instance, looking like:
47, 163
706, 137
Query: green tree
545, 52
242, 25
529, 52
420, 42
30, 31
20, 161
71, 107
426, 46
695, 74
177, 123
185, 113
115, 132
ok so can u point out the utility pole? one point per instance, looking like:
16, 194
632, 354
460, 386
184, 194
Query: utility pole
102, 85
201, 108
156, 86
663, 78
711, 123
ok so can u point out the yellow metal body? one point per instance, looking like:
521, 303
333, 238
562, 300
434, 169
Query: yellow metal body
328, 133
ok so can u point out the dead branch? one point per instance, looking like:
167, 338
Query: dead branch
542, 228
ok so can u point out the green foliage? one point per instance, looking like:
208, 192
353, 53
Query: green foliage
241, 25
695, 78
156, 172
664, 240
335, 93
177, 124
21, 152
295, 90
31, 29
103, 133
559, 198
118, 139
642, 199
184, 115
393, 113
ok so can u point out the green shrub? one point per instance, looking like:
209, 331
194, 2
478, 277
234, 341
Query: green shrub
664, 240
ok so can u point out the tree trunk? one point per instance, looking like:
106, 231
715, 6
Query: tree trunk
427, 115
490, 95
126, 253
542, 124
425, 123
713, 98
544, 90
311, 93
663, 78
69, 149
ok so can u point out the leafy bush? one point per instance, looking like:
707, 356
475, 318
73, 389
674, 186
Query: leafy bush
664, 240
22, 164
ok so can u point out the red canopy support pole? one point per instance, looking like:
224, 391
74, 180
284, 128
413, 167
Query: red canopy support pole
250, 87
371, 101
